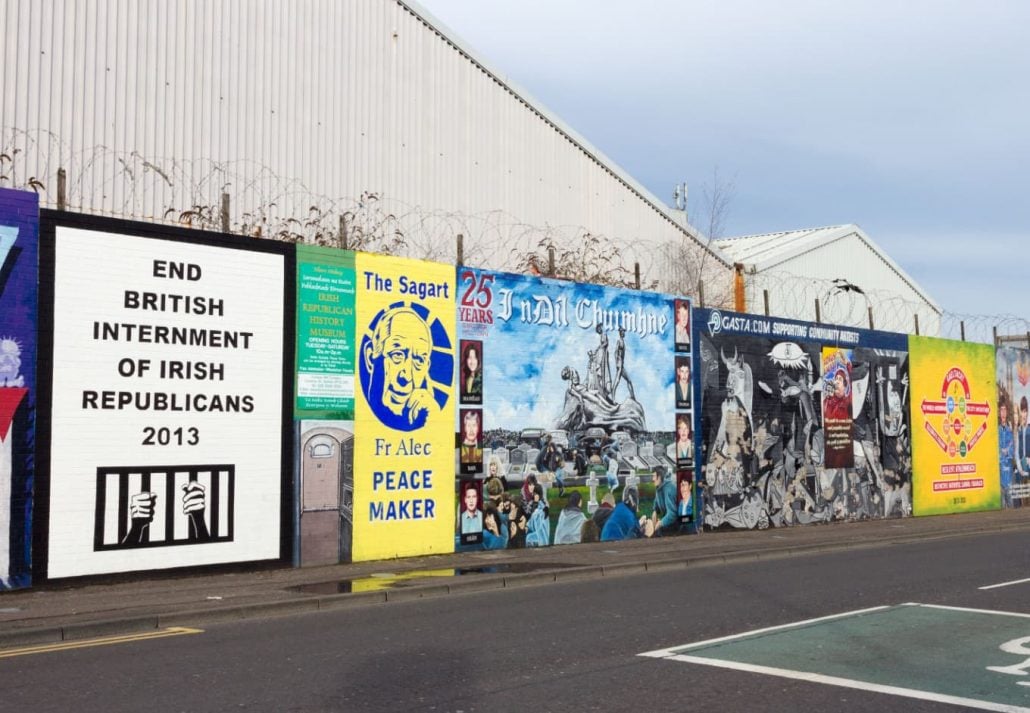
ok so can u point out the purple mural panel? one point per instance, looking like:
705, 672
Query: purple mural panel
19, 235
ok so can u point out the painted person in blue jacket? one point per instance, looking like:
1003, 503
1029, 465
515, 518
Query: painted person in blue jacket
495, 528
664, 518
622, 524
1006, 448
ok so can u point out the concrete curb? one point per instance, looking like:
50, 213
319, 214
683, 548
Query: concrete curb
349, 601
110, 627
673, 563
199, 617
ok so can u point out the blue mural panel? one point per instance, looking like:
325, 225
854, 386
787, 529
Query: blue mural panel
1013, 367
568, 412
19, 240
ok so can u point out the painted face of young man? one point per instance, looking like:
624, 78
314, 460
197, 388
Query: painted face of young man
683, 315
471, 499
471, 430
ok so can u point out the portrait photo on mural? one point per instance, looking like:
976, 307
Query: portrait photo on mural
471, 371
797, 432
576, 434
470, 448
683, 382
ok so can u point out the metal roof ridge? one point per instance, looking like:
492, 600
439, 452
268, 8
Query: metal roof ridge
786, 232
834, 233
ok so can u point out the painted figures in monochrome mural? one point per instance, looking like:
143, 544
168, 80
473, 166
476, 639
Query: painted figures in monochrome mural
567, 430
801, 423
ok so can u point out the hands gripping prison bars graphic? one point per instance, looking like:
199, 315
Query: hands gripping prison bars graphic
160, 506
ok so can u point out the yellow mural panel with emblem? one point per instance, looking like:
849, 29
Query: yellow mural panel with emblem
954, 427
404, 408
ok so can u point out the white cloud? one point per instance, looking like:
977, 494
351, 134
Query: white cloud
906, 118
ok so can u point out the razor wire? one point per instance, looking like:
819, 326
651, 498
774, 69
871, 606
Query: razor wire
188, 192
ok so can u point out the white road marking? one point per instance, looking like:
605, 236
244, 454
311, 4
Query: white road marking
975, 611
1006, 584
672, 655
849, 683
666, 653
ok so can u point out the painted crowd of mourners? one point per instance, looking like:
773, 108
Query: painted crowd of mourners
522, 516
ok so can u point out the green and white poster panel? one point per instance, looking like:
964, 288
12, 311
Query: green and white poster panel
325, 333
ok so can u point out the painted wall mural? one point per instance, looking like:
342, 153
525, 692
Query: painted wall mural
325, 333
1013, 375
569, 409
955, 417
19, 235
325, 495
404, 408
167, 401
800, 423
324, 405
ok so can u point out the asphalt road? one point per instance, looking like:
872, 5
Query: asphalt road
569, 647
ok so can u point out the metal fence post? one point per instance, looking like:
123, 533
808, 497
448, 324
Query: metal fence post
62, 189
225, 212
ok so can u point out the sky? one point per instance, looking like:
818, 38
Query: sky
910, 119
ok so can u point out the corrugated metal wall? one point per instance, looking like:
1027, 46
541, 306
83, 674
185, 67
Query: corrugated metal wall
155, 106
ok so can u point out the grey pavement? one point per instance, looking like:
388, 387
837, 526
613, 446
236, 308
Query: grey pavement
82, 609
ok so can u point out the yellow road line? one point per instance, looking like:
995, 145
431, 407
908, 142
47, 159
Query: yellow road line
101, 641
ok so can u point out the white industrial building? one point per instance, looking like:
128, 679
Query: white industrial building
836, 270
320, 119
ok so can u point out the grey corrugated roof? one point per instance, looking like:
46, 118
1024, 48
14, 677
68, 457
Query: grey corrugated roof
769, 250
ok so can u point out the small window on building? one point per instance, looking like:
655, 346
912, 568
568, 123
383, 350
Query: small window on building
322, 450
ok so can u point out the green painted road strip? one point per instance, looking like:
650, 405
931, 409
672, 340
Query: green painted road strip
971, 657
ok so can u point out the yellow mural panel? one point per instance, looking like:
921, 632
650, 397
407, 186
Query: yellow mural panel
954, 427
404, 408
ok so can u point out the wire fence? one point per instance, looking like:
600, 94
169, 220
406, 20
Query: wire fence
247, 198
